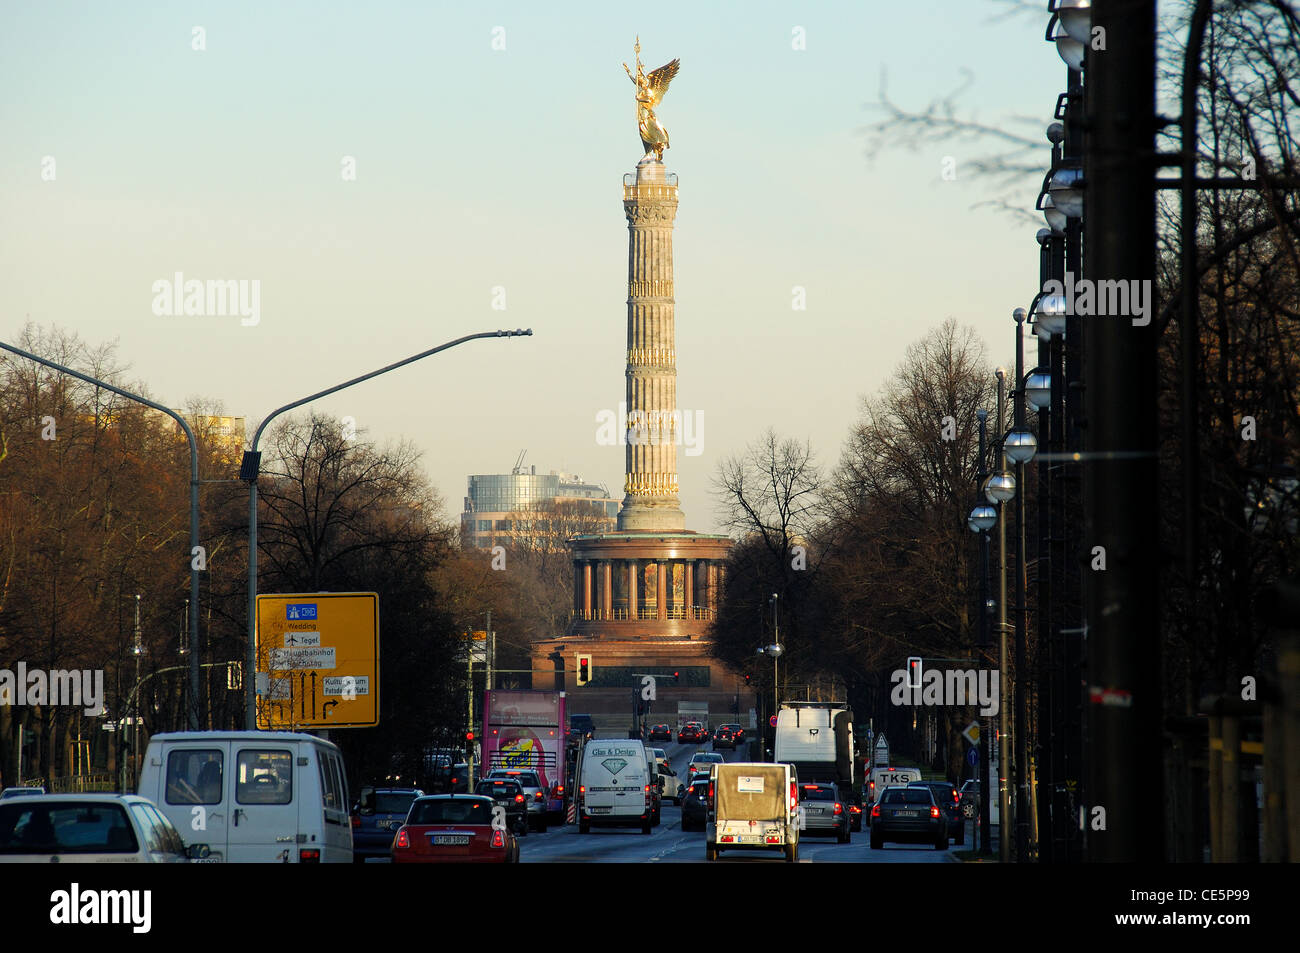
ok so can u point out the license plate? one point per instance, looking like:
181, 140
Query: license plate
813, 810
450, 840
387, 825
905, 813
598, 810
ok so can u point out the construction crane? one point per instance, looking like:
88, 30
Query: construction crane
519, 463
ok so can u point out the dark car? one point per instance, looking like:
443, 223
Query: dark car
695, 806
509, 795
534, 793
737, 732
581, 726
854, 805
691, 733
661, 733
452, 829
908, 814
376, 817
458, 783
946, 796
724, 738
823, 811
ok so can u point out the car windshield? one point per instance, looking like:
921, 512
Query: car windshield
392, 802
907, 796
27, 827
526, 778
461, 810
817, 793
497, 788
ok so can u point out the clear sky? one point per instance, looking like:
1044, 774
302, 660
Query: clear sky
478, 168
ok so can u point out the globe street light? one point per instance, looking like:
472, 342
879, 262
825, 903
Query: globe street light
1000, 487
1038, 389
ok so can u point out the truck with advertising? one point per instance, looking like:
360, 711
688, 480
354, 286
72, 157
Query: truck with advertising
753, 806
816, 738
525, 729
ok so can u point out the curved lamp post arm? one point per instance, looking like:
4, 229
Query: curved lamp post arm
249, 470
193, 708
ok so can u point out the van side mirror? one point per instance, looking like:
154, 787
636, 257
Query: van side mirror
197, 851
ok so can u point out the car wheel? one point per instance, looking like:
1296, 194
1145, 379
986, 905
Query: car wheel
710, 852
842, 837
645, 828
968, 810
942, 842
584, 827
877, 842
792, 853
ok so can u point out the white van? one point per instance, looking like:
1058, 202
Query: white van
252, 796
753, 806
615, 787
883, 777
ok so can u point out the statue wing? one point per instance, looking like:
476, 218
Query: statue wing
659, 79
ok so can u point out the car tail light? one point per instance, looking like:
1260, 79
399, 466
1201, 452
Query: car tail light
794, 796
498, 839
356, 821
309, 855
839, 808
854, 809
559, 790
710, 790
875, 811
537, 796
519, 799
934, 811
402, 839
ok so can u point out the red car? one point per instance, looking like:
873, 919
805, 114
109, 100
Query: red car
453, 829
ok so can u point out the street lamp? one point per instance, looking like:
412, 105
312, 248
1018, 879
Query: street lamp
1020, 445
1000, 488
982, 519
1038, 389
1049, 314
1075, 17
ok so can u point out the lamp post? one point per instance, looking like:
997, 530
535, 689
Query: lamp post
981, 520
1004, 755
248, 470
1023, 809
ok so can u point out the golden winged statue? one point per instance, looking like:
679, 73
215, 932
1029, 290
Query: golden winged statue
650, 92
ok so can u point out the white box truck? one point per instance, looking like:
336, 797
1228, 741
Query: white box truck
753, 806
817, 739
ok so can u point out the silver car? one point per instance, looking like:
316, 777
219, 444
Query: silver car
89, 828
534, 793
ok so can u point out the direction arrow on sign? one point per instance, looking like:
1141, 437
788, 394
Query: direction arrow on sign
972, 733
973, 757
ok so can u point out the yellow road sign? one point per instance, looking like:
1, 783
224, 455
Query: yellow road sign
321, 652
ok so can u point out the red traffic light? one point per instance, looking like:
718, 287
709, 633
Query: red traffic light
469, 736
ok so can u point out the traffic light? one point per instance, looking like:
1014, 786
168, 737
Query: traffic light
469, 736
584, 670
747, 680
